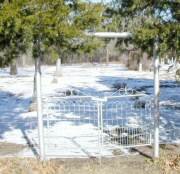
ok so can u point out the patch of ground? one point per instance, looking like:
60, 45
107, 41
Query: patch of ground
169, 163
10, 148
147, 151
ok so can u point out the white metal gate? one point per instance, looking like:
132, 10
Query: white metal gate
86, 126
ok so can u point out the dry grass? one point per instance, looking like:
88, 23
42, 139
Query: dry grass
28, 166
135, 165
168, 163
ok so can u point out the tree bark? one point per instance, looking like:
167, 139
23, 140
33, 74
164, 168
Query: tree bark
107, 56
58, 68
13, 67
37, 70
140, 67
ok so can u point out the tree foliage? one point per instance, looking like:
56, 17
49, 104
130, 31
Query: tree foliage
148, 19
48, 25
13, 33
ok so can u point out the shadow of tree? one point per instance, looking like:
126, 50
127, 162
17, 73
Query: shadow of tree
12, 108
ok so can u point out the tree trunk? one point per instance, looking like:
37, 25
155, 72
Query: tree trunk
140, 67
37, 70
58, 68
13, 67
33, 105
107, 56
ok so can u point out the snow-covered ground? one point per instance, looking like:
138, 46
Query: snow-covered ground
18, 125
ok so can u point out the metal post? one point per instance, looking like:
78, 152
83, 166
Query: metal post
156, 100
99, 131
102, 125
39, 115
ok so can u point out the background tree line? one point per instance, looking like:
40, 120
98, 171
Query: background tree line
147, 20
48, 30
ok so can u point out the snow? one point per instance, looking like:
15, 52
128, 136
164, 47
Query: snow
18, 125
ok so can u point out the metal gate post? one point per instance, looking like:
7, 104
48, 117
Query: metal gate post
99, 130
156, 100
39, 115
100, 127
101, 121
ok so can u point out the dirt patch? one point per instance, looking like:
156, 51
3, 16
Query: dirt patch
10, 148
170, 148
